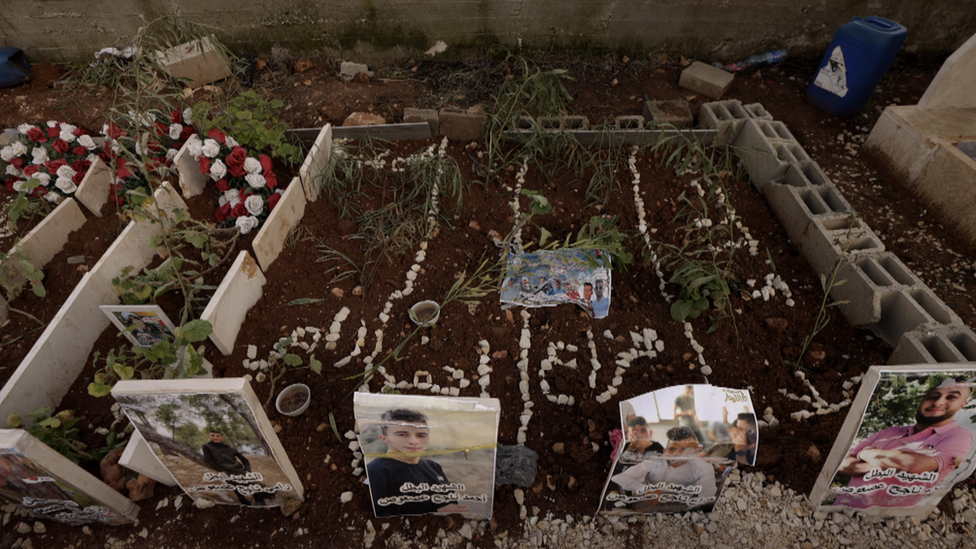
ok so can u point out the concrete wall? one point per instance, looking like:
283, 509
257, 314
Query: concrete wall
60, 30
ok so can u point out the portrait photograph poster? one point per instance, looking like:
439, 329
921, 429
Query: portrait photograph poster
679, 445
144, 325
427, 455
907, 440
214, 438
558, 277
50, 486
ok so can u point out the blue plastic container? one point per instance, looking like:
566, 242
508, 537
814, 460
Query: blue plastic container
854, 63
14, 67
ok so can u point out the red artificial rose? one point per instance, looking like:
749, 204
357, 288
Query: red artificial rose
265, 163
239, 211
39, 191
35, 134
29, 171
272, 200
61, 146
161, 128
222, 185
123, 169
79, 131
204, 164
175, 117
9, 184
217, 136
270, 180
223, 213
114, 131
53, 165
187, 132
78, 177
244, 193
54, 132
105, 157
79, 151
18, 162
80, 165
235, 162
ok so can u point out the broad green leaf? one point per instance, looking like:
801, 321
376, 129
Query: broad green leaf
14, 421
51, 422
197, 240
293, 360
544, 236
315, 365
194, 330
98, 389
39, 290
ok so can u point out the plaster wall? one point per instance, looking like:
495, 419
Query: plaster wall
71, 30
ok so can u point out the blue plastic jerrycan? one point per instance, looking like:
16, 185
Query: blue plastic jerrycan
854, 63
14, 68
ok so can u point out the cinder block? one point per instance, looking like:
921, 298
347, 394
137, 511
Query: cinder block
315, 168
49, 236
804, 174
826, 241
938, 345
761, 159
63, 350
562, 123
270, 240
192, 182
460, 125
706, 80
757, 111
200, 62
430, 116
867, 281
94, 188
237, 293
629, 122
139, 457
795, 206
348, 70
673, 112
905, 310
727, 117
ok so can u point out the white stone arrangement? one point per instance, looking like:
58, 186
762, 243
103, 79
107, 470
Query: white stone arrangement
821, 406
773, 282
525, 343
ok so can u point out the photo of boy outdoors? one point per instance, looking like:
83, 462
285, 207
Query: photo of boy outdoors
403, 482
224, 458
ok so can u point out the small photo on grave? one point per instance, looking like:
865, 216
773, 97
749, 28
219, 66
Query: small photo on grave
678, 446
559, 277
49, 486
210, 442
144, 325
908, 439
428, 455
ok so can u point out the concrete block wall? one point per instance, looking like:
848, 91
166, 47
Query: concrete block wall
879, 292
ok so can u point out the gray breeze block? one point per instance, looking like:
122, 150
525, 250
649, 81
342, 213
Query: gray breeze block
795, 206
867, 281
629, 122
827, 240
562, 123
905, 310
939, 345
767, 149
460, 125
727, 117
430, 116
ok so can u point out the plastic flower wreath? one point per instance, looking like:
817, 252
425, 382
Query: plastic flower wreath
248, 185
48, 160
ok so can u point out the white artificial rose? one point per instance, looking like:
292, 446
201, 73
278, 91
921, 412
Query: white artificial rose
24, 128
19, 149
66, 185
40, 155
18, 185
54, 197
246, 223
43, 178
194, 146
12, 170
175, 130
52, 123
252, 165
230, 141
116, 148
65, 127
254, 204
188, 115
92, 157
217, 170
211, 148
255, 180
233, 196
87, 142
171, 154
7, 153
221, 201
66, 171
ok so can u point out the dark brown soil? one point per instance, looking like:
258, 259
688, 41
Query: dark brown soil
748, 353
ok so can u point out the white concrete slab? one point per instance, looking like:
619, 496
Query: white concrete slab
62, 352
239, 291
192, 182
287, 213
50, 235
952, 87
94, 188
139, 457
314, 169
200, 62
